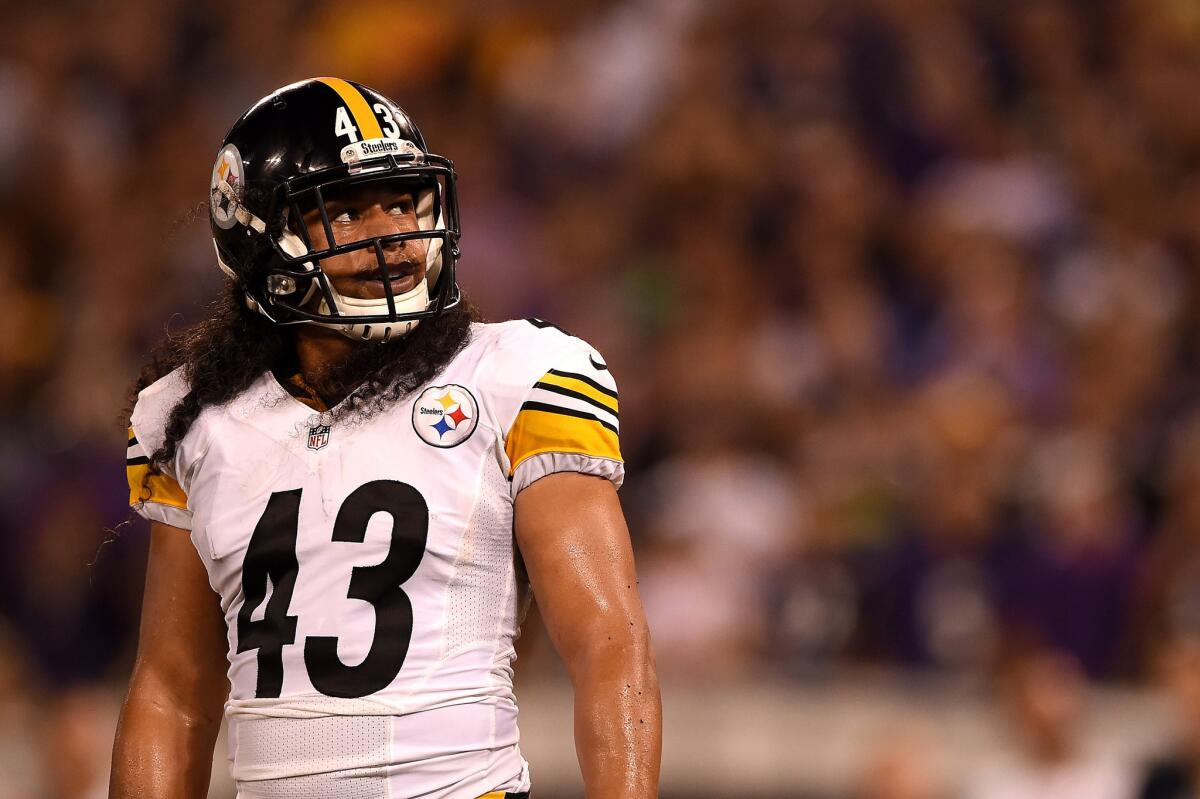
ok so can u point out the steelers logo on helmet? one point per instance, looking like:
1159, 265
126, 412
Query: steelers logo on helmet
445, 416
226, 186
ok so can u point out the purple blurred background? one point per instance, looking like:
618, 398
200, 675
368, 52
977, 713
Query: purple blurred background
904, 301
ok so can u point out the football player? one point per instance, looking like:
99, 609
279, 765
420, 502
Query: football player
354, 486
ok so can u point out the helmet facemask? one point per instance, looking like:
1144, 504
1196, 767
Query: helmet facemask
296, 290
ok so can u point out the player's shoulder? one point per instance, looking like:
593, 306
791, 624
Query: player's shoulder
551, 397
172, 385
155, 403
528, 341
518, 352
519, 358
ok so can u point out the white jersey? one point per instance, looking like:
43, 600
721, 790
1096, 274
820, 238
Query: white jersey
367, 569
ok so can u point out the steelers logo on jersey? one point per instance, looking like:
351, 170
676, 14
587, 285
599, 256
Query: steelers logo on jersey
445, 416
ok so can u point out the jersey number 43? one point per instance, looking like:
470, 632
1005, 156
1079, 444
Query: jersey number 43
271, 556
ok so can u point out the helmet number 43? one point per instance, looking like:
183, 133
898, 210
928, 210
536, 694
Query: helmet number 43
344, 126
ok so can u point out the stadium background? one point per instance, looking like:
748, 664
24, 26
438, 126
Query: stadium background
903, 297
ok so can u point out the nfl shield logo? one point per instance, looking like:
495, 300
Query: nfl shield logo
318, 436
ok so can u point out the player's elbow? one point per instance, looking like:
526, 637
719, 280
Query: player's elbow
623, 646
192, 704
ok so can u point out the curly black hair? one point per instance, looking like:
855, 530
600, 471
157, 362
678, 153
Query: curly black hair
233, 346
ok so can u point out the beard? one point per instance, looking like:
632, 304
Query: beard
374, 374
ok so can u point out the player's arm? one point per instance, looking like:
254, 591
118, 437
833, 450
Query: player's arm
575, 544
171, 717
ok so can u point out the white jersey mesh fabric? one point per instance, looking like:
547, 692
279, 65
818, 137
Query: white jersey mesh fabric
326, 744
477, 595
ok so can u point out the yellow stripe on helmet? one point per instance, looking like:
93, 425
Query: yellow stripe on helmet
364, 119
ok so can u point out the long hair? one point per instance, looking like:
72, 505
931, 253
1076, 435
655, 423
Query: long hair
233, 346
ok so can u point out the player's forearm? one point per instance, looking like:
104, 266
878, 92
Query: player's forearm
618, 722
161, 750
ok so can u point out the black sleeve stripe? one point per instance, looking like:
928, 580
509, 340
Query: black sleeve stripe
138, 461
542, 324
541, 406
588, 380
132, 440
566, 392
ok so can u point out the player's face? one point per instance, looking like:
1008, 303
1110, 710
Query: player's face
362, 212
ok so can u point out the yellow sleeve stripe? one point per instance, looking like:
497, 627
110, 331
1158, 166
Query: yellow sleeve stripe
576, 394
158, 487
134, 453
364, 119
584, 387
544, 428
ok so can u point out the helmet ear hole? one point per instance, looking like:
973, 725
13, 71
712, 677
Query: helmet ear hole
281, 285
289, 289
294, 290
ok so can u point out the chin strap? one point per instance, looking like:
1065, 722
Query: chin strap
415, 299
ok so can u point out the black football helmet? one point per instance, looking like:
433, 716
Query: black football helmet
284, 157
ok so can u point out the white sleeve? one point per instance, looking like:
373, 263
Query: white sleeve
155, 494
561, 410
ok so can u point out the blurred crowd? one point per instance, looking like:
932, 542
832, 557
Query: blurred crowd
903, 297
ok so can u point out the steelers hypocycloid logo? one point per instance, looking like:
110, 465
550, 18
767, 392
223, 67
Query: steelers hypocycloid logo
226, 183
445, 416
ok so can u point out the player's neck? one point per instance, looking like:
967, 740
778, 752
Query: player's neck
318, 350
